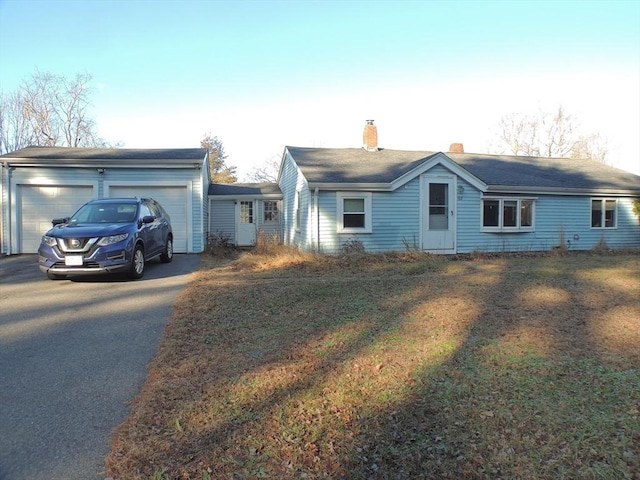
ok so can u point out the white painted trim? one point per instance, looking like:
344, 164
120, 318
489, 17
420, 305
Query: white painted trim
446, 162
368, 212
500, 228
616, 219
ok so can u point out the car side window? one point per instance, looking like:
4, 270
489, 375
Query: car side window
155, 209
144, 211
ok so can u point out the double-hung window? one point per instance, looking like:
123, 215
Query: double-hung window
354, 212
271, 214
603, 213
508, 214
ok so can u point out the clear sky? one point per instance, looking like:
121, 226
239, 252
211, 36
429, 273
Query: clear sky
264, 74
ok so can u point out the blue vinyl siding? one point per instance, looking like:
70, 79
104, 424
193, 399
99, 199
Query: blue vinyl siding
292, 181
395, 221
222, 218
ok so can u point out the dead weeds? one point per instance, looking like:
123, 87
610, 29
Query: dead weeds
394, 367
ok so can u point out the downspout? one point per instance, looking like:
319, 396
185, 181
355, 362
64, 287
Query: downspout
7, 233
315, 207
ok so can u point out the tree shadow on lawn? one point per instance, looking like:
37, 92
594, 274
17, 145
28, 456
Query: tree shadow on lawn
475, 371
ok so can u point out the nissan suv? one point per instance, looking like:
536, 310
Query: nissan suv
108, 235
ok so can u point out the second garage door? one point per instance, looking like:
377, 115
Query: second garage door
174, 201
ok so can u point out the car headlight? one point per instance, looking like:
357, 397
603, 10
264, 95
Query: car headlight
104, 241
51, 241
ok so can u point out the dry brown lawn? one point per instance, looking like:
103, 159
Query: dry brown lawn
290, 366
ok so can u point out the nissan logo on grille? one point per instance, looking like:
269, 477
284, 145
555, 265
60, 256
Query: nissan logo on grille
75, 243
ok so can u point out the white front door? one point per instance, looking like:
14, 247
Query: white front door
245, 221
438, 214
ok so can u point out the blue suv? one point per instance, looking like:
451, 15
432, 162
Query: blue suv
109, 235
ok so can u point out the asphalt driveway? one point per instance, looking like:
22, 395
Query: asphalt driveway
72, 355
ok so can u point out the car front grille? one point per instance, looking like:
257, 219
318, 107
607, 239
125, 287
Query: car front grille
76, 245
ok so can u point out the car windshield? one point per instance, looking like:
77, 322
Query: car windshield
105, 213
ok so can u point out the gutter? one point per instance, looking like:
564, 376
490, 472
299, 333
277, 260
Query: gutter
317, 212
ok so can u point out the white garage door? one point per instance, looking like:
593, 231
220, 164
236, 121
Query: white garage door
39, 204
172, 199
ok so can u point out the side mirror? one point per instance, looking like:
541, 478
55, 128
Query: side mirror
59, 221
148, 219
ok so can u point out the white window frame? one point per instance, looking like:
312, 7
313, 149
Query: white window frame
275, 212
340, 198
603, 215
509, 229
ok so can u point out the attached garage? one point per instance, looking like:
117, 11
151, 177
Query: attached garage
41, 183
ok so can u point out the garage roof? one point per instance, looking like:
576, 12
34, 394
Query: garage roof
94, 157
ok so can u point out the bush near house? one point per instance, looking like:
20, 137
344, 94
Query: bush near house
394, 367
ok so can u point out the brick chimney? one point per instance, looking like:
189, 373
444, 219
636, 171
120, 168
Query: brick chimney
456, 148
370, 137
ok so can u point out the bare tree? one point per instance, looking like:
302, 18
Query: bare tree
15, 131
48, 110
547, 135
219, 171
267, 172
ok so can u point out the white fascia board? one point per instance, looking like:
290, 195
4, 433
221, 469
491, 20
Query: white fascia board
491, 189
270, 196
360, 187
439, 159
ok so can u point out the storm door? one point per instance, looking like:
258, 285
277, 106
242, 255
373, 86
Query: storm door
246, 223
438, 217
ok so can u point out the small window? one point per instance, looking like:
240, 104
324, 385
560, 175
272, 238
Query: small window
354, 212
271, 214
507, 214
603, 213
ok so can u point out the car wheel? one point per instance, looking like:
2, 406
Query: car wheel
54, 276
137, 263
167, 255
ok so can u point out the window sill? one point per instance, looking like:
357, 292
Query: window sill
348, 231
506, 230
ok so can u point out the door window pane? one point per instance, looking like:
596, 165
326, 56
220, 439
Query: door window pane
246, 212
438, 206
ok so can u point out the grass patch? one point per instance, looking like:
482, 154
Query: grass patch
290, 366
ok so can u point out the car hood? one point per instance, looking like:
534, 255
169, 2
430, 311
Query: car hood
87, 230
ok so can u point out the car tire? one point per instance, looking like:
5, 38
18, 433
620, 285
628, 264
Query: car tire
167, 255
55, 276
137, 263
